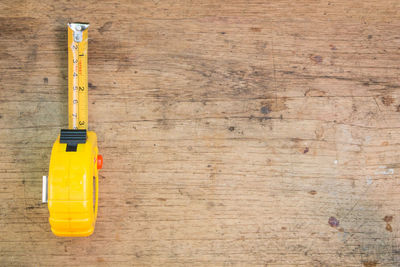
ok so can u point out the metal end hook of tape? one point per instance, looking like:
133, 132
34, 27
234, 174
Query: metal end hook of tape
78, 29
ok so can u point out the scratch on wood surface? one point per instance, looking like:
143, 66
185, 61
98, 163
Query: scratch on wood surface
274, 68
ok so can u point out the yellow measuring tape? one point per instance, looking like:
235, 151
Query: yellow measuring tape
71, 188
77, 75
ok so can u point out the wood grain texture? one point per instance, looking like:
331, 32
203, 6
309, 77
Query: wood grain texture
234, 133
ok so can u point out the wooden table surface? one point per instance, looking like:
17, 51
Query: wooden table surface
234, 133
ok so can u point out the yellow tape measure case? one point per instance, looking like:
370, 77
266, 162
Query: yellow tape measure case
73, 183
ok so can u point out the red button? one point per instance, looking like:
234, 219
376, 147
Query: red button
99, 162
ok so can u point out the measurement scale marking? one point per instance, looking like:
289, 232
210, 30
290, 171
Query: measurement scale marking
78, 84
74, 49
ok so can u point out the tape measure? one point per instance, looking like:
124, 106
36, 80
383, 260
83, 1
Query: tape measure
77, 75
71, 188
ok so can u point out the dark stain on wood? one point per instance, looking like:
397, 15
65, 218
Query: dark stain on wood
265, 110
92, 86
388, 218
387, 100
106, 26
370, 263
255, 29
316, 59
333, 222
314, 92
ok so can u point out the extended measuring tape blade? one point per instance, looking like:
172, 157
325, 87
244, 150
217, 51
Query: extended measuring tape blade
77, 75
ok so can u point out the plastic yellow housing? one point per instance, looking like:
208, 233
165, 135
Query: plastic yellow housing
73, 178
